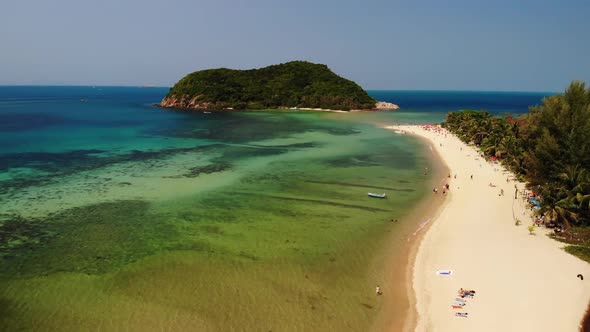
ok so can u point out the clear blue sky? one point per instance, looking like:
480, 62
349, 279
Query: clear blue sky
521, 45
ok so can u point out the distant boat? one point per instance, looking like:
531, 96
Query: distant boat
377, 195
207, 112
83, 100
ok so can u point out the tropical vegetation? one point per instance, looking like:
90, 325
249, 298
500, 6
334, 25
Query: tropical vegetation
292, 84
549, 148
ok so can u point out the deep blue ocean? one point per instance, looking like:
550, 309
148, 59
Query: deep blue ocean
445, 101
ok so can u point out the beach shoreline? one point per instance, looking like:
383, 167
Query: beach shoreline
518, 277
401, 257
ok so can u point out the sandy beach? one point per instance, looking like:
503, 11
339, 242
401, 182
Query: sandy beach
523, 282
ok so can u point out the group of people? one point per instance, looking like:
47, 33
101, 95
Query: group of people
446, 188
460, 301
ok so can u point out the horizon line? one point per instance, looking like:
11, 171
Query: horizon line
376, 90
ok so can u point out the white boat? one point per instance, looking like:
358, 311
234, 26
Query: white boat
377, 195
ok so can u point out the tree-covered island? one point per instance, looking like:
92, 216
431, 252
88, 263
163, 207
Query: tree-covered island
296, 84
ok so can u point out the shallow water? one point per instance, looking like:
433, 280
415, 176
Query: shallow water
118, 215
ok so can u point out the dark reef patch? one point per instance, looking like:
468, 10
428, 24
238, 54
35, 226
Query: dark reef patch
47, 161
213, 168
353, 161
57, 164
341, 131
52, 165
387, 156
92, 239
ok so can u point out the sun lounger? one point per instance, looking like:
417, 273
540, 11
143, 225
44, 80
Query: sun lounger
461, 314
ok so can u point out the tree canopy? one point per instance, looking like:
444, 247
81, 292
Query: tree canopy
292, 84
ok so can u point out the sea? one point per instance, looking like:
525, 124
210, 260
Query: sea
119, 215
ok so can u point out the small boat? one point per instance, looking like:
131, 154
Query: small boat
377, 195
207, 112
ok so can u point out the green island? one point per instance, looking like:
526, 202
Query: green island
295, 84
548, 148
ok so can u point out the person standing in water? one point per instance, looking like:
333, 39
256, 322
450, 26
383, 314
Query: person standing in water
378, 290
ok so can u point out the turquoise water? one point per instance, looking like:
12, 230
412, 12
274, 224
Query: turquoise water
118, 215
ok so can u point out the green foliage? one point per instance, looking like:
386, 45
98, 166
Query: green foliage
292, 84
531, 229
582, 252
549, 148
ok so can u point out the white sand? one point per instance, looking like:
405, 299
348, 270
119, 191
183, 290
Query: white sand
523, 282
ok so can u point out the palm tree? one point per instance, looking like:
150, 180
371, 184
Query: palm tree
583, 202
575, 178
561, 212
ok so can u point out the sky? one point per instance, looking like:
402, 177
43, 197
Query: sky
507, 45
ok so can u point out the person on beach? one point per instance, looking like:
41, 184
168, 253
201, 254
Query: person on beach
501, 192
378, 290
455, 175
464, 292
471, 176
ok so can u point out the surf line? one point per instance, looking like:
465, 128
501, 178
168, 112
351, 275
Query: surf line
420, 227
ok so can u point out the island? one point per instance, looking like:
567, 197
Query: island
291, 85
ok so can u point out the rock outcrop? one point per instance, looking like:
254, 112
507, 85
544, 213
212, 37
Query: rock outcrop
385, 106
184, 102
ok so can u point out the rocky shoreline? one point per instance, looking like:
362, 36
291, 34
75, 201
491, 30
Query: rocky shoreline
196, 105
385, 106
